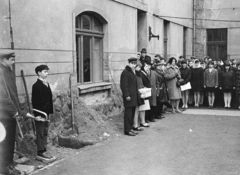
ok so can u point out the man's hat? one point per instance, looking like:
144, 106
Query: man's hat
132, 60
143, 50
148, 60
41, 68
7, 54
161, 62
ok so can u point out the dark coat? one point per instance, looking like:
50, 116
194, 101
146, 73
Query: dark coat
227, 79
128, 85
146, 79
162, 95
42, 97
237, 79
197, 79
9, 105
185, 74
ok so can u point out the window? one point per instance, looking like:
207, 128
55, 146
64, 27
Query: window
217, 44
89, 47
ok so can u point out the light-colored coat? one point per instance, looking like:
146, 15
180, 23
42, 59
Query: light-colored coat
174, 92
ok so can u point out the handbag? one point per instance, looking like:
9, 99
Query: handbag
179, 82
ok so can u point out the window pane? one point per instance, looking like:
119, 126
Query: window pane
222, 52
78, 58
210, 35
86, 59
97, 25
97, 60
86, 20
78, 22
212, 51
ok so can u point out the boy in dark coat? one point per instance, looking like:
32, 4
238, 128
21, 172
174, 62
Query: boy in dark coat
42, 101
128, 85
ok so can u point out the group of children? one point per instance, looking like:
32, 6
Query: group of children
215, 80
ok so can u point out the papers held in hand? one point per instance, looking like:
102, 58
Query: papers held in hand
145, 92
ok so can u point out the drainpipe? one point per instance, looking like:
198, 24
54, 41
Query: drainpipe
10, 25
193, 30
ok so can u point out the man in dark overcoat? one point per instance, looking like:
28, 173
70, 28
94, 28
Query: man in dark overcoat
9, 109
42, 101
128, 85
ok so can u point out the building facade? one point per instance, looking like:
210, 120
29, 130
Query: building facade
217, 27
91, 40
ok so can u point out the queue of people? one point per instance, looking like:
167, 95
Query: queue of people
184, 81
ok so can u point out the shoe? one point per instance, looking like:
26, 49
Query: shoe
158, 117
186, 106
147, 121
13, 171
134, 132
144, 125
163, 117
130, 133
178, 111
238, 107
45, 155
137, 128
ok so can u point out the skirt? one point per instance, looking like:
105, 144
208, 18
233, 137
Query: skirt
210, 89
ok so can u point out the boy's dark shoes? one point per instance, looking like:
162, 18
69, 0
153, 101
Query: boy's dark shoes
45, 157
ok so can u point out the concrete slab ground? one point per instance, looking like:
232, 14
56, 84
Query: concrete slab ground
216, 112
180, 144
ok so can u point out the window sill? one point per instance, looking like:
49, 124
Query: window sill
85, 88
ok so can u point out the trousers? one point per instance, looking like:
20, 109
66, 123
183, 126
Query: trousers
128, 118
42, 134
8, 144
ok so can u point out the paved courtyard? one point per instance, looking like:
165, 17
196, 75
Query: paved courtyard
180, 144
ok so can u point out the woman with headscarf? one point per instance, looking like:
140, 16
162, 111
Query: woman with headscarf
172, 75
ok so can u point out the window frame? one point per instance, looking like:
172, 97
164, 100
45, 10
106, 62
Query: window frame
216, 43
93, 34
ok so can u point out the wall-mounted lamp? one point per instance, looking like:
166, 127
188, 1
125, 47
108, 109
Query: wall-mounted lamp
151, 35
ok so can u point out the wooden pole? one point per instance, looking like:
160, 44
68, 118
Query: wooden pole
28, 101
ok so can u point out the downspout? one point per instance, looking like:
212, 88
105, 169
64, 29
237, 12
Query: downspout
10, 25
193, 30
